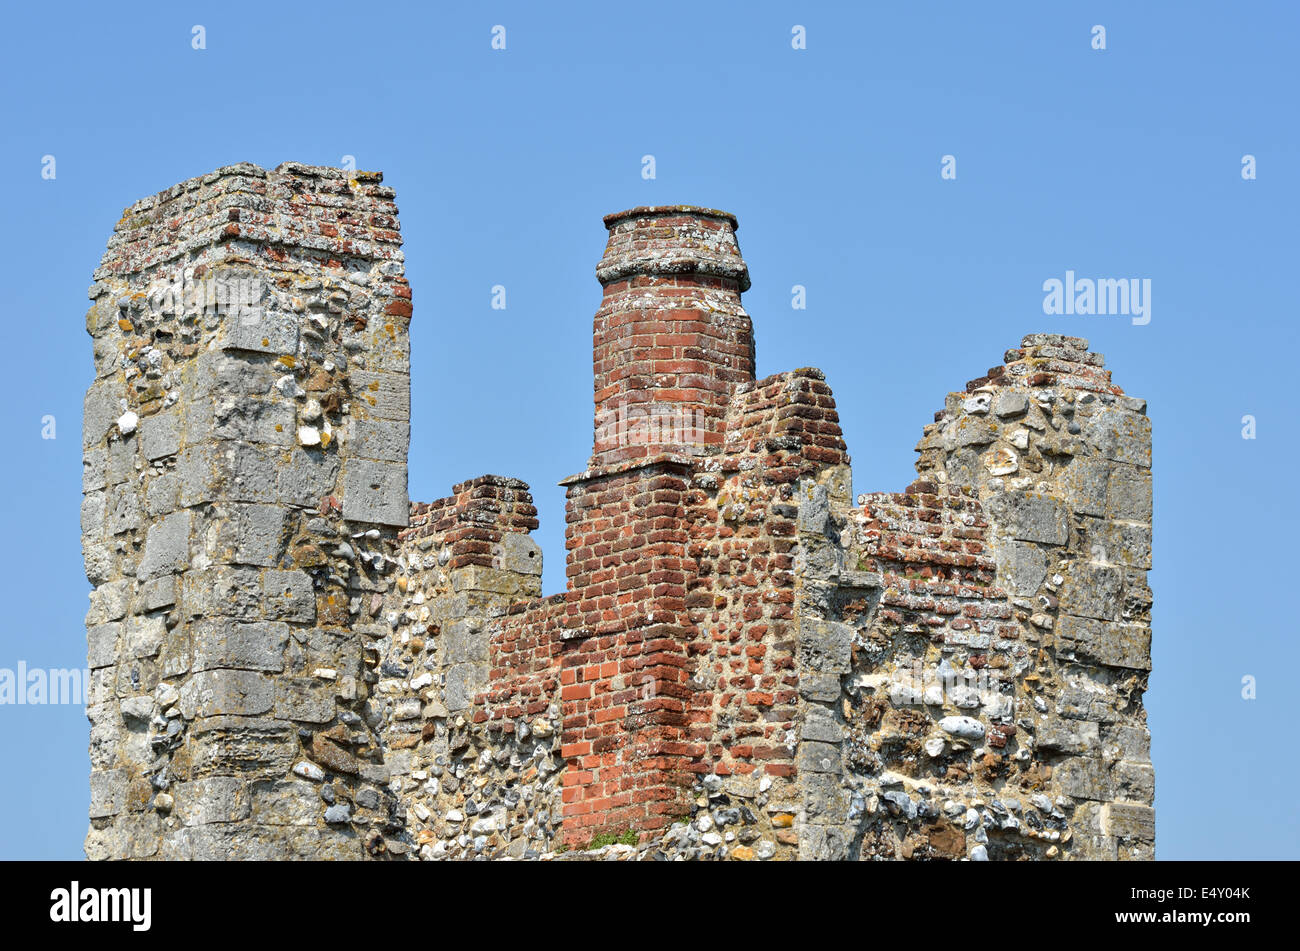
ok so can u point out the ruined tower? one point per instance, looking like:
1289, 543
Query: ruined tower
289, 661
245, 476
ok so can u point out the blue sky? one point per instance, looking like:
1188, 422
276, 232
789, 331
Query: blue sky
1117, 163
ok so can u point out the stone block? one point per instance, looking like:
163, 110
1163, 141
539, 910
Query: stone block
109, 601
226, 643
167, 545
387, 395
1115, 644
101, 641
199, 480
162, 493
248, 534
287, 803
266, 331
386, 440
246, 473
520, 554
94, 469
228, 417
829, 843
825, 646
222, 591
463, 681
1009, 402
100, 411
144, 636
159, 593
251, 747
212, 693
222, 373
814, 757
212, 799
820, 724
1128, 820
160, 435
1120, 436
1134, 782
824, 800
1030, 516
823, 687
305, 699
289, 595
1123, 543
463, 641
1085, 483
1091, 590
308, 477
1022, 567
375, 492
1083, 777
107, 792
1068, 736
1128, 495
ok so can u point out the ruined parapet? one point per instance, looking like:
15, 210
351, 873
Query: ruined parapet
999, 622
467, 703
783, 456
245, 476
1061, 459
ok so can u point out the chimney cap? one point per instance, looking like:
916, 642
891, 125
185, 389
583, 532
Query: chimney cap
672, 240
659, 211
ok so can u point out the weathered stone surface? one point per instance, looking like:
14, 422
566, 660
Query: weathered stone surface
1069, 736
1123, 819
1091, 590
1031, 517
825, 645
1129, 494
375, 492
238, 645
215, 692
1121, 436
1023, 566
1112, 643
167, 545
212, 799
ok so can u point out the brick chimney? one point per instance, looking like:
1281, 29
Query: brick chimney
671, 339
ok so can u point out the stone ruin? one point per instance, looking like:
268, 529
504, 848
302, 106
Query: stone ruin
290, 661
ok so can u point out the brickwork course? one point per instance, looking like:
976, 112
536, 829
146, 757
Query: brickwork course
291, 661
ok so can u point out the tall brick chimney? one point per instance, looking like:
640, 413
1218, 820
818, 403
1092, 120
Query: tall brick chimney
670, 340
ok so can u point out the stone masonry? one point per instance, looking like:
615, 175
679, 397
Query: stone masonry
290, 661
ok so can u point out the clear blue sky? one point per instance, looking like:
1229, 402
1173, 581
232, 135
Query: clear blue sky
1117, 163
